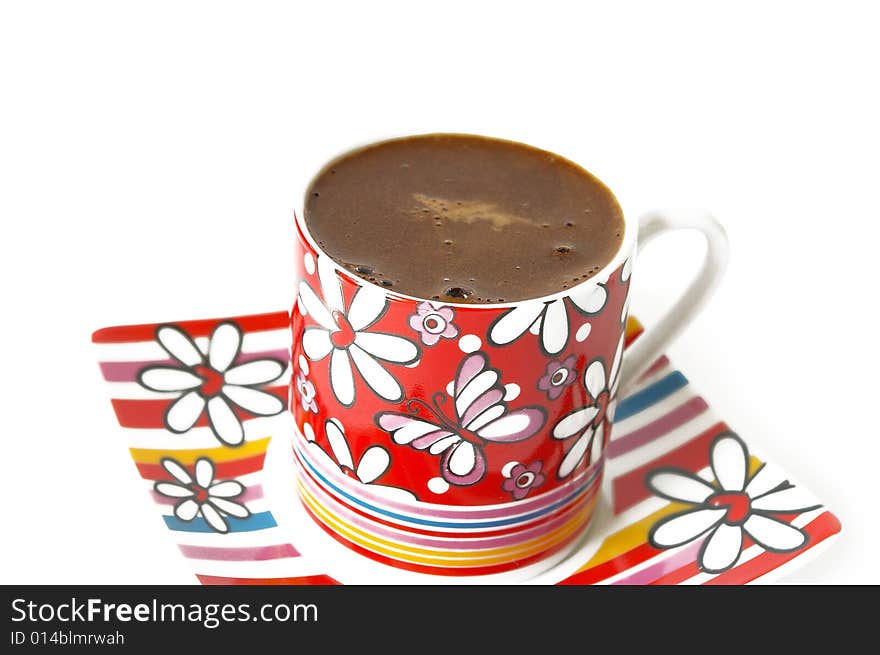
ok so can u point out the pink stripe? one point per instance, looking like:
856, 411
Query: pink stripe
470, 544
254, 492
435, 511
655, 429
656, 571
246, 554
127, 371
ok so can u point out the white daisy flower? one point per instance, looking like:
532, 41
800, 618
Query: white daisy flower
589, 423
371, 466
547, 319
202, 495
736, 505
344, 335
210, 381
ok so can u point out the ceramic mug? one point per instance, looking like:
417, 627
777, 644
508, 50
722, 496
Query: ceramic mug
467, 439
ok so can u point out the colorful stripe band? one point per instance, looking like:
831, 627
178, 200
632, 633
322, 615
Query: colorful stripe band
418, 520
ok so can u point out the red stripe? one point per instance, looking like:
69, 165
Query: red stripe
819, 529
222, 470
199, 328
302, 580
150, 413
662, 362
630, 488
614, 566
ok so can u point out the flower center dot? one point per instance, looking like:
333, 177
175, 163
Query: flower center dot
738, 505
201, 493
344, 336
212, 380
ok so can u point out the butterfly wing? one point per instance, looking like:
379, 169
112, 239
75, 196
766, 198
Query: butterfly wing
480, 406
408, 430
514, 426
478, 394
463, 464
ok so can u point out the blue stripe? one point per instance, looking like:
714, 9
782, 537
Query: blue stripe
445, 524
259, 521
650, 395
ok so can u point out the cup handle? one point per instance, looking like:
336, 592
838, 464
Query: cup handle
650, 345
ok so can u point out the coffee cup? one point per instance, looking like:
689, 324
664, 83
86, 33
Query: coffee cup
468, 438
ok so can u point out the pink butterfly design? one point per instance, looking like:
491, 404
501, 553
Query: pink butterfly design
480, 418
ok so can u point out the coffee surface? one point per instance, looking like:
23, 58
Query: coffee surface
464, 219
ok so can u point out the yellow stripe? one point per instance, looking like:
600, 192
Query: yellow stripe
445, 558
636, 534
632, 326
187, 457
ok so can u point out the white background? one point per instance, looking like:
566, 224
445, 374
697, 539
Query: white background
152, 154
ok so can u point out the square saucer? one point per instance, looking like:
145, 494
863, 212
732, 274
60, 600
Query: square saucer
685, 500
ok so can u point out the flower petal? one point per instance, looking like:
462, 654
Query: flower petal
774, 535
187, 510
615, 365
681, 528
338, 444
179, 345
376, 377
213, 518
174, 490
259, 371
341, 377
597, 444
554, 329
730, 462
315, 308
594, 378
183, 413
792, 499
513, 324
177, 471
575, 455
255, 401
374, 462
767, 478
226, 489
721, 549
164, 378
679, 485
574, 422
204, 472
230, 507
316, 343
224, 346
224, 422
366, 307
588, 299
330, 284
389, 347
